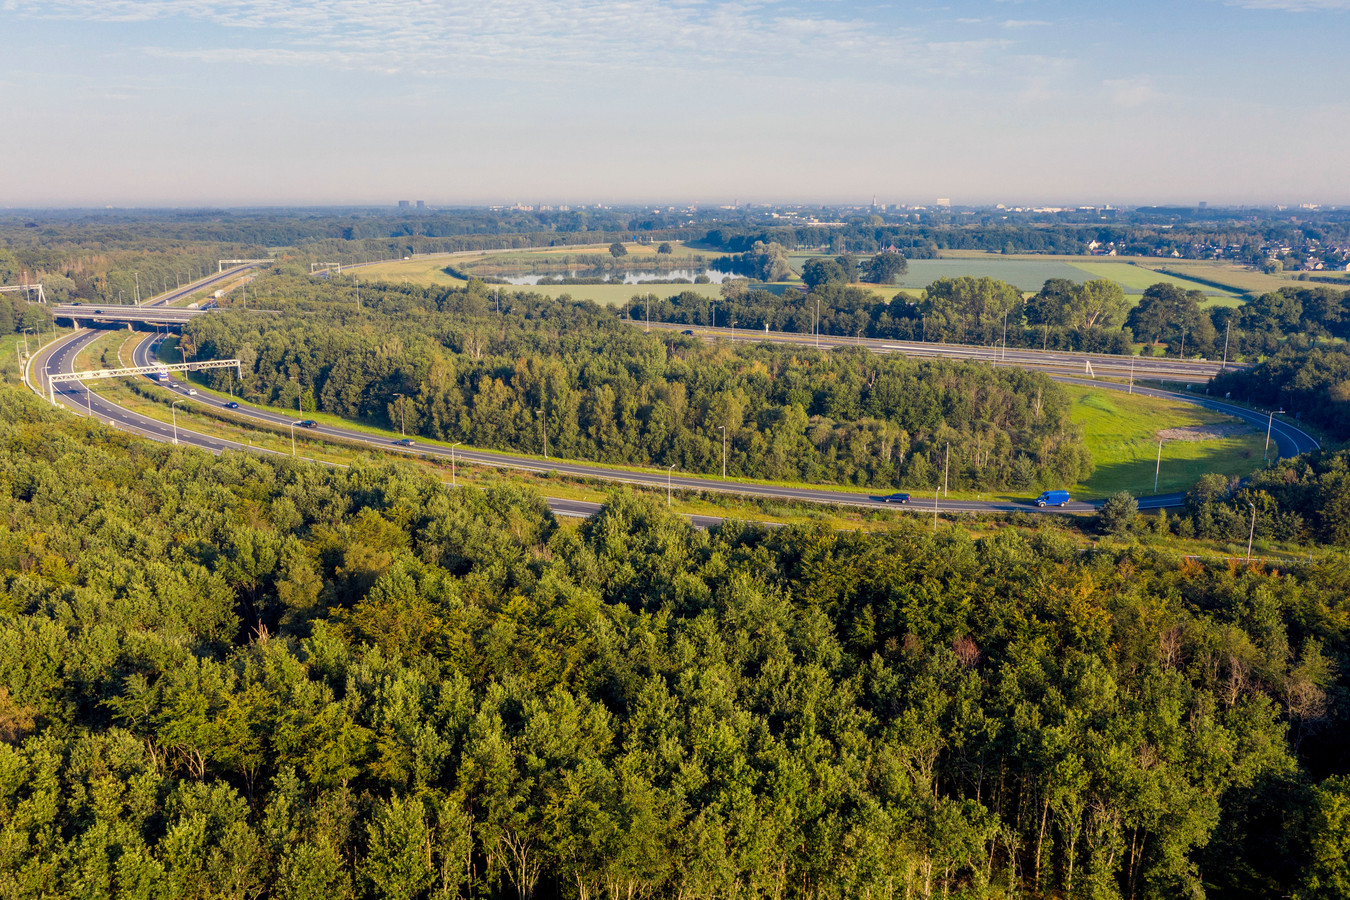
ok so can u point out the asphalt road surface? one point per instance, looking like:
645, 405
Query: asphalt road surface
1104, 365
1288, 439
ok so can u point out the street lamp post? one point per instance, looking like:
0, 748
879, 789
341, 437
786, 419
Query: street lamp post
1270, 421
1252, 533
543, 423
817, 321
174, 412
401, 416
1005, 334
1157, 469
668, 471
292, 439
453, 483
724, 450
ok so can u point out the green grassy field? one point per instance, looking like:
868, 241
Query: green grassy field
424, 271
1120, 431
1027, 272
1136, 279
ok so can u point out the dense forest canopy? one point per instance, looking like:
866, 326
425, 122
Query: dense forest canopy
602, 390
253, 677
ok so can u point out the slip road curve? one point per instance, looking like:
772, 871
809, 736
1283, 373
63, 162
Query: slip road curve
1107, 365
60, 357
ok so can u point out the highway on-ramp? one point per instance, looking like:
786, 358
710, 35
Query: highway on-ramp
60, 357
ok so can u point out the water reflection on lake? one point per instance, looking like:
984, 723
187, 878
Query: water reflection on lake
716, 276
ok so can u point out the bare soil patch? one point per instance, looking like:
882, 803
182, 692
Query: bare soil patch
1205, 432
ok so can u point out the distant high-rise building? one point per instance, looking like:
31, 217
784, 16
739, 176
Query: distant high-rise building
403, 204
421, 204
944, 202
1204, 204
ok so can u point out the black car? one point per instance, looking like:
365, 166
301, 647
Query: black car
308, 423
231, 405
688, 332
403, 442
895, 498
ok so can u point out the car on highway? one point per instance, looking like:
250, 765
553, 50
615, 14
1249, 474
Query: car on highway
1052, 498
403, 442
231, 405
688, 332
896, 498
307, 423
98, 312
192, 392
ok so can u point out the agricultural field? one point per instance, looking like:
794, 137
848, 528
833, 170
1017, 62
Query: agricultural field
1136, 279
1122, 432
423, 270
1027, 272
1238, 278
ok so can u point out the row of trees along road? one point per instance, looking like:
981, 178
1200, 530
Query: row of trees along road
1095, 315
611, 393
246, 676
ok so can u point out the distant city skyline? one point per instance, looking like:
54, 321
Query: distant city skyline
138, 103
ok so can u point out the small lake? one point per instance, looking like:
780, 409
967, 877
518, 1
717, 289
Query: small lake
716, 276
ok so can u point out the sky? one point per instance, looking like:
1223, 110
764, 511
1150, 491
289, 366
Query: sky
300, 102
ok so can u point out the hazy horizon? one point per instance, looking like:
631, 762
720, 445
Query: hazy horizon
265, 103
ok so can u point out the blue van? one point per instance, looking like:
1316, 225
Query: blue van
1053, 498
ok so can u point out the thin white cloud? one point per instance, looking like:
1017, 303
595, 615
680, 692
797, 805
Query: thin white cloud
1130, 93
455, 36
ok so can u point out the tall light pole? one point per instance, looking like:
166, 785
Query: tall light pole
1252, 533
1157, 468
401, 432
1227, 328
668, 471
1270, 421
174, 412
543, 423
1131, 373
649, 311
724, 451
817, 321
138, 288
1005, 334
453, 483
292, 440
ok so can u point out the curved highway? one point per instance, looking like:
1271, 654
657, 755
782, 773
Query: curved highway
1106, 365
60, 357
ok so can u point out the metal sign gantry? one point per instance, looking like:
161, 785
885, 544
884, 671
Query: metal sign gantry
92, 374
242, 262
26, 288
